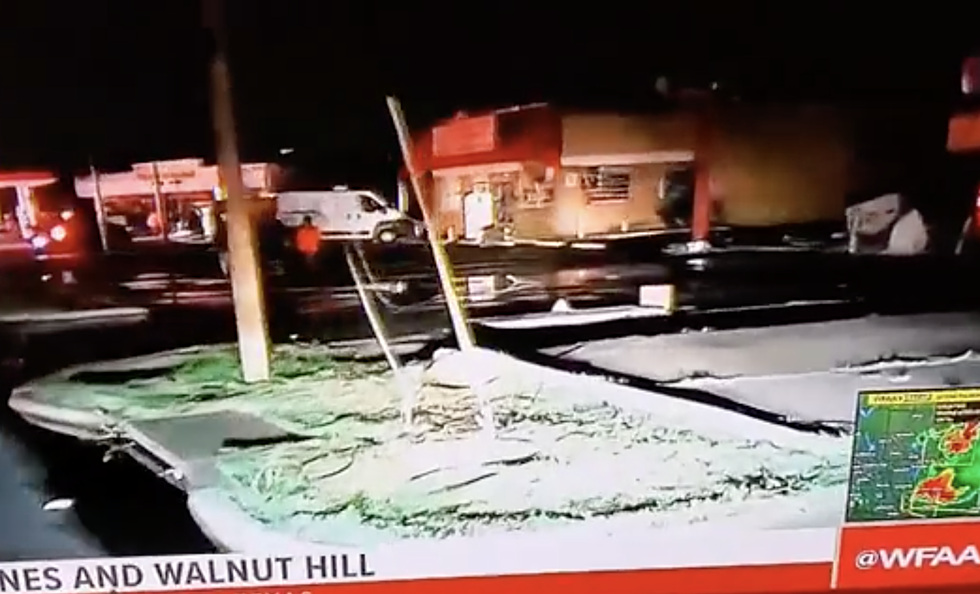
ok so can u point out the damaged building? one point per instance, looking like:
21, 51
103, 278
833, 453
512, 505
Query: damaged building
548, 172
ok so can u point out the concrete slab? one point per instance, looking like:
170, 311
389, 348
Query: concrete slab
831, 397
572, 318
182, 441
808, 373
782, 350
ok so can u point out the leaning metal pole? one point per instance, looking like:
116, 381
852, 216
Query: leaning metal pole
99, 204
461, 327
408, 392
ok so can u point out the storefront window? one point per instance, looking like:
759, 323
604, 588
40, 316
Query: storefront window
607, 184
131, 213
189, 217
536, 188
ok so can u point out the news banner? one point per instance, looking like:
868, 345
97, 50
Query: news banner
200, 572
716, 562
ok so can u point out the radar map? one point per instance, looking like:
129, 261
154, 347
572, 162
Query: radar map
916, 455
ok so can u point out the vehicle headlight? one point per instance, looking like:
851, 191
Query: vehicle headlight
39, 241
59, 233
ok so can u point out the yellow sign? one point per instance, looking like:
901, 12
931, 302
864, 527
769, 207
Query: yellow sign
923, 397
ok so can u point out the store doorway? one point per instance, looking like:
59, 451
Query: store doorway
479, 211
676, 196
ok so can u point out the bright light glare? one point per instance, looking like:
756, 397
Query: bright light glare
39, 241
59, 233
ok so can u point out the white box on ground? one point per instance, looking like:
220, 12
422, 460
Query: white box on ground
481, 288
659, 296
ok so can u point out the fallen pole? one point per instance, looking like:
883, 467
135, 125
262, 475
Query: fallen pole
409, 394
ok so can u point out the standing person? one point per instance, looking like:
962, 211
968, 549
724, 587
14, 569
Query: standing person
153, 223
308, 243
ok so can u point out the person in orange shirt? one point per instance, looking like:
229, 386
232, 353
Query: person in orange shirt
308, 242
153, 223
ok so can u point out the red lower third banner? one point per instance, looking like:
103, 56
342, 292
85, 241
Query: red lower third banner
786, 579
910, 558
936, 554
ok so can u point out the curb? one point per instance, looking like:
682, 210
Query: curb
48, 322
80, 424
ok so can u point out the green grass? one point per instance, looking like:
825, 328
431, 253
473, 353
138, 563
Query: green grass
553, 465
201, 380
566, 454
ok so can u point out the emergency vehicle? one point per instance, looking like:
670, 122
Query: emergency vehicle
39, 217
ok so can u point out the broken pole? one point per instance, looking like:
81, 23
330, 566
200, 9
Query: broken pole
408, 393
243, 253
99, 206
457, 315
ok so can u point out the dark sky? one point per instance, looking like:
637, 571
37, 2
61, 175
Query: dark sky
120, 82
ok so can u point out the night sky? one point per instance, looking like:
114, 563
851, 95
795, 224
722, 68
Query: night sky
117, 82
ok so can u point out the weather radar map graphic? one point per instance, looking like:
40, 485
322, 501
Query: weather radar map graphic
916, 456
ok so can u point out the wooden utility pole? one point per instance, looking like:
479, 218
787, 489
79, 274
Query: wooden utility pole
461, 327
243, 253
160, 205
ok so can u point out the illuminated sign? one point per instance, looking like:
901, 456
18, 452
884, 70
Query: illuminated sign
173, 169
465, 136
174, 177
